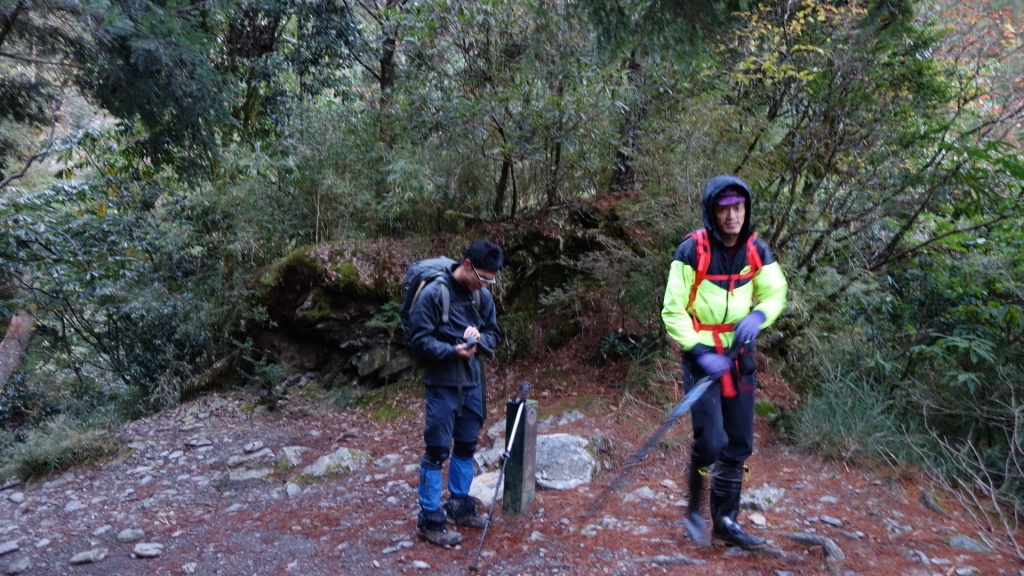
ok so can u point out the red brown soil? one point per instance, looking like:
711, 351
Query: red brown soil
343, 526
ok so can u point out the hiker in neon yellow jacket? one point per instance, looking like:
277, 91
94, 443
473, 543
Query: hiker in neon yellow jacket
724, 285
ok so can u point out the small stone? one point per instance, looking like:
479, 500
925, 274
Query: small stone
757, 519
252, 446
43, 543
967, 571
643, 493
292, 489
390, 550
410, 468
421, 565
669, 484
189, 568
130, 535
967, 543
89, 556
16, 497
8, 547
19, 566
536, 536
831, 520
102, 530
148, 549
74, 506
233, 508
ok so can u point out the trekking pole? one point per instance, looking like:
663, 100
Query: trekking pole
523, 390
687, 402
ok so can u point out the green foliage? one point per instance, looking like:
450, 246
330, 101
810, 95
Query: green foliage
849, 419
59, 444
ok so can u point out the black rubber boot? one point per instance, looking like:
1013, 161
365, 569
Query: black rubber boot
462, 511
433, 527
725, 505
696, 526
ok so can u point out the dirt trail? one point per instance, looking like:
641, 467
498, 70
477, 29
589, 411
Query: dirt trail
171, 485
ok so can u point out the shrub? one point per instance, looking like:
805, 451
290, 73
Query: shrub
850, 419
59, 444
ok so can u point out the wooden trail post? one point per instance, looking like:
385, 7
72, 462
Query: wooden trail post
521, 468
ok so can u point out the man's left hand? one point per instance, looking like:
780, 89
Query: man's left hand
471, 332
746, 330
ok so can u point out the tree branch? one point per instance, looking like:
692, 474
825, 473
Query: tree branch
37, 155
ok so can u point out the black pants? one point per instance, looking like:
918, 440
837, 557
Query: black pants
723, 428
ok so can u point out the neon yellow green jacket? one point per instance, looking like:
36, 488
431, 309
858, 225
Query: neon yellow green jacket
714, 302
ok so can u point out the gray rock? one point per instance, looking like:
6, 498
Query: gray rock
491, 457
102, 530
291, 456
237, 479
148, 549
175, 455
916, 556
497, 430
483, 487
264, 454
831, 520
563, 462
832, 550
343, 461
371, 360
252, 446
642, 493
19, 566
967, 571
828, 500
8, 547
410, 468
387, 460
399, 362
420, 565
570, 417
16, 497
292, 489
89, 556
967, 543
762, 498
197, 442
130, 535
43, 543
74, 506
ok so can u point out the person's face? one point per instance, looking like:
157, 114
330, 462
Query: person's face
729, 219
480, 278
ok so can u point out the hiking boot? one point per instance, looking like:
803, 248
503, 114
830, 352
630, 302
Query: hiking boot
725, 505
462, 511
696, 526
433, 527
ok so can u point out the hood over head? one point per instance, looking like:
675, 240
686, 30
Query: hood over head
716, 185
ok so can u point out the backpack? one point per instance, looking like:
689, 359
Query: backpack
421, 273
704, 261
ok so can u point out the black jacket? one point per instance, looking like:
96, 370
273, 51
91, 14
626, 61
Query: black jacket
433, 341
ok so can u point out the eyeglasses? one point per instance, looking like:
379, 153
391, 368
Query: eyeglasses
482, 280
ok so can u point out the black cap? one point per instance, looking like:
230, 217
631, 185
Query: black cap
485, 255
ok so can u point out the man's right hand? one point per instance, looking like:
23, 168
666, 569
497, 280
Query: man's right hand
715, 365
465, 351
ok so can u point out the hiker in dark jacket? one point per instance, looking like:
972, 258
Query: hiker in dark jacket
453, 377
740, 290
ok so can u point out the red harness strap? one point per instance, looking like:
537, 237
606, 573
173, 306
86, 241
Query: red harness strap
703, 262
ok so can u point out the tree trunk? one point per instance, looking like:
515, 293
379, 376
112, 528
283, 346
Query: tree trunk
12, 349
623, 173
499, 189
553, 176
387, 86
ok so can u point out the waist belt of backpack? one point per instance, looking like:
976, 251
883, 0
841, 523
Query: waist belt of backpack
728, 388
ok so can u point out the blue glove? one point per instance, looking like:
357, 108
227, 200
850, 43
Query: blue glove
715, 365
747, 329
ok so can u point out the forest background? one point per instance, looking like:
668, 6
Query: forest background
156, 157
